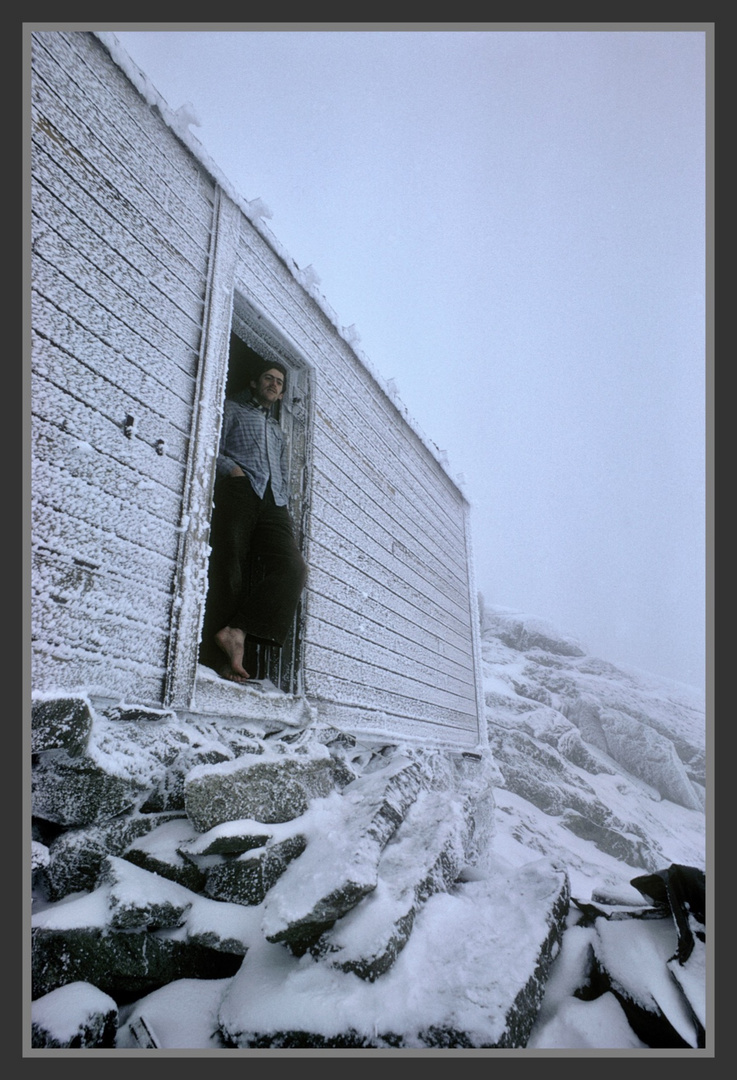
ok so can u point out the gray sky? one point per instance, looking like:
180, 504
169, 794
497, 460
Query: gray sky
514, 221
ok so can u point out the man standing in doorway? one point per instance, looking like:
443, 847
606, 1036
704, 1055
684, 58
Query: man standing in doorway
251, 521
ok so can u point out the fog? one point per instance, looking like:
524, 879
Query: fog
513, 221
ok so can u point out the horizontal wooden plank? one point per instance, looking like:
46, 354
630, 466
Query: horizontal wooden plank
406, 642
62, 665
72, 379
88, 62
51, 248
329, 577
395, 521
364, 667
90, 312
94, 546
76, 116
118, 254
110, 356
331, 686
381, 728
376, 596
70, 476
157, 480
107, 602
351, 420
63, 173
425, 606
74, 634
338, 628
382, 551
51, 124
69, 639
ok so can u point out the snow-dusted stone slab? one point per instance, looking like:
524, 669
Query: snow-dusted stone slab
81, 938
633, 958
340, 865
60, 724
140, 899
625, 848
274, 787
133, 714
120, 764
80, 791
76, 856
229, 838
167, 792
540, 775
247, 878
243, 859
77, 1015
570, 745
595, 909
523, 632
474, 778
181, 1015
159, 852
133, 758
39, 862
425, 856
206, 744
480, 985
129, 896
122, 964
691, 978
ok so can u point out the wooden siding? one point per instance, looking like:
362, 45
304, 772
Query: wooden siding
142, 266
121, 227
388, 610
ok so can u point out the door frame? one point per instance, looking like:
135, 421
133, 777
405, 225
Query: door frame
226, 310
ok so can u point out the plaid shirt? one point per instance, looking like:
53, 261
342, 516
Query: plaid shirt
254, 440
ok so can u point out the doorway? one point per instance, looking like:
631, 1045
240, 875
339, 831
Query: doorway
248, 349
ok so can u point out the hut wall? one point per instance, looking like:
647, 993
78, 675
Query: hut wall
143, 267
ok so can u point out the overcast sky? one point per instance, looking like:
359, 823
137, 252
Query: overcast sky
514, 222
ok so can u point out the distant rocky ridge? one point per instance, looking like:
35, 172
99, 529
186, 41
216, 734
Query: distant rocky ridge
548, 691
167, 848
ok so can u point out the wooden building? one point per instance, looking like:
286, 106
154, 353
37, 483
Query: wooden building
152, 283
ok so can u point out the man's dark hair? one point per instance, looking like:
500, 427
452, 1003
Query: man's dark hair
267, 365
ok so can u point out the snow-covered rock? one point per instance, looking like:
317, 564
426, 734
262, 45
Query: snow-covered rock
60, 724
340, 864
301, 888
425, 856
471, 975
74, 1016
247, 878
596, 715
271, 788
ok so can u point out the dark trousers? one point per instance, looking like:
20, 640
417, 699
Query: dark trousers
256, 573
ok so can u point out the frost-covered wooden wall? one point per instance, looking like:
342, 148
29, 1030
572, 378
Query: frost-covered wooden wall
390, 608
142, 265
122, 219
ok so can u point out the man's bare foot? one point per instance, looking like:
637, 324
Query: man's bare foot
232, 642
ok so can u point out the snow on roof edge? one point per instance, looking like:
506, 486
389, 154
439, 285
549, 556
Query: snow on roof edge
256, 210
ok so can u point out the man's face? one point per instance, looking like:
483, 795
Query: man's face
269, 387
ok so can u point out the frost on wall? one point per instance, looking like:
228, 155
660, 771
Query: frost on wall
256, 210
